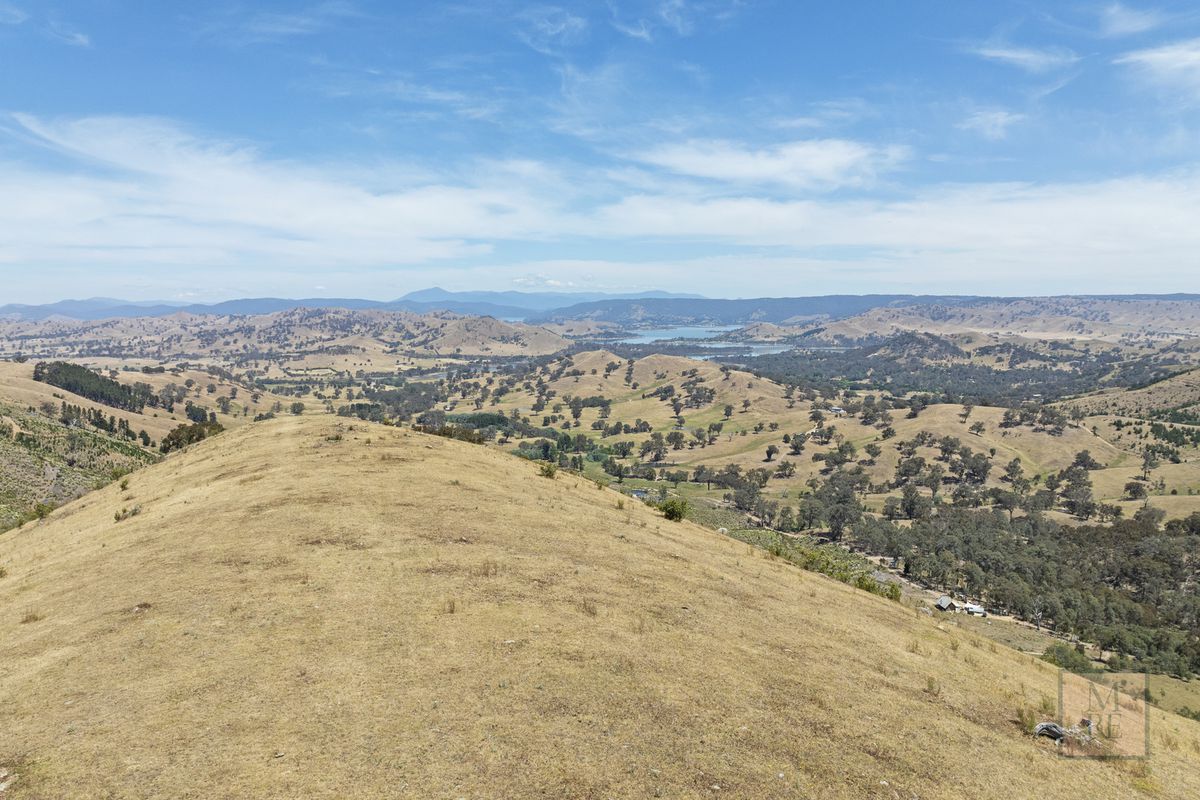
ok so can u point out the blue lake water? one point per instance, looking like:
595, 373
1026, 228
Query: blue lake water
697, 335
650, 335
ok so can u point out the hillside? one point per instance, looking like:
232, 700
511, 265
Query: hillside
1179, 393
309, 608
1100, 318
644, 391
368, 339
44, 463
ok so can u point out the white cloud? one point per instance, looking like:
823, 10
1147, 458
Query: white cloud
1174, 66
142, 201
11, 15
990, 124
806, 164
143, 190
1026, 58
542, 281
1129, 231
1120, 20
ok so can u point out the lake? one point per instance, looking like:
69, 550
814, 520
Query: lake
698, 335
651, 335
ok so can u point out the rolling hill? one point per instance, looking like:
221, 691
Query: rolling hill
770, 417
306, 607
1112, 319
49, 456
291, 334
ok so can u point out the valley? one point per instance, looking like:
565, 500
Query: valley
684, 399
1055, 480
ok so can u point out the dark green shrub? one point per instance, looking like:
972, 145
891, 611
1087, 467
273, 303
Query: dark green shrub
674, 508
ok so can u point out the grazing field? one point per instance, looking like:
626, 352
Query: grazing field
321, 609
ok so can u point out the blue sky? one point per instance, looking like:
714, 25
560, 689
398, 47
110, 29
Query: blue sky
733, 147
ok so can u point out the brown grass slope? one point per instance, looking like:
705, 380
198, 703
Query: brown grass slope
1179, 391
385, 614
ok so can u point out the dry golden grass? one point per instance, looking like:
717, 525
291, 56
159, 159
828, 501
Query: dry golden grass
297, 615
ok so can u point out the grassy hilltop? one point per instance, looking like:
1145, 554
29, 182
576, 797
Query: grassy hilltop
318, 608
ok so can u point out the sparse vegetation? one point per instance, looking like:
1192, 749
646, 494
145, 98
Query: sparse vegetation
126, 513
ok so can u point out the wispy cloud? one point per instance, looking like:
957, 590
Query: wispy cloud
52, 27
147, 191
472, 102
635, 27
808, 164
990, 124
592, 102
1029, 59
11, 15
1173, 66
550, 29
1121, 20
68, 35
264, 26
676, 15
828, 113
646, 18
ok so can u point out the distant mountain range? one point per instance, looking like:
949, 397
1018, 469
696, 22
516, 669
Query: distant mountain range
689, 311
535, 301
800, 311
507, 305
645, 309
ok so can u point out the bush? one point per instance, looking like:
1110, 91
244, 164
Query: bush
549, 470
1067, 657
674, 508
189, 434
